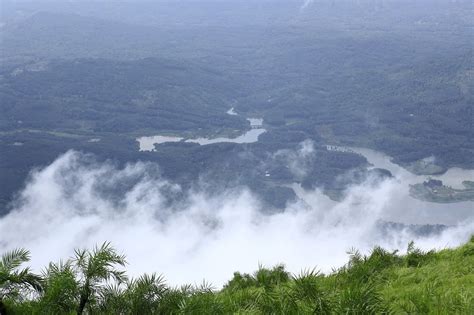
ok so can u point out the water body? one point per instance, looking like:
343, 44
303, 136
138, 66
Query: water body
404, 208
395, 202
248, 137
452, 177
148, 143
251, 136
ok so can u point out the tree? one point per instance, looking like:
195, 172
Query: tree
95, 269
14, 281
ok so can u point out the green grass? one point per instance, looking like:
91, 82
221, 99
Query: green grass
444, 284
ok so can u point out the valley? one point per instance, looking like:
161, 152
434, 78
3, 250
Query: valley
331, 139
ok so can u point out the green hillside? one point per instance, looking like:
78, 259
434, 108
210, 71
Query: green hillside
94, 282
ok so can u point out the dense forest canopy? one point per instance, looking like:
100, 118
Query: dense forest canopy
390, 75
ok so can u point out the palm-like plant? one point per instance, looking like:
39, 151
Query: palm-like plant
14, 280
96, 268
61, 289
140, 296
358, 298
174, 300
201, 299
145, 293
113, 300
307, 289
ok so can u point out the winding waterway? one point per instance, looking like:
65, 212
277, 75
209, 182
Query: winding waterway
147, 143
250, 136
399, 206
452, 177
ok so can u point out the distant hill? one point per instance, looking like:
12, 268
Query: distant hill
52, 35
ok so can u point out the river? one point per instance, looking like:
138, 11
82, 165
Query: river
401, 207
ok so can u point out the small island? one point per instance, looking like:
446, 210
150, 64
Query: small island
425, 166
434, 190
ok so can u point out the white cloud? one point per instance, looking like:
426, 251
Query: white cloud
76, 202
299, 160
306, 4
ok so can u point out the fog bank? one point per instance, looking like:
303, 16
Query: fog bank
188, 236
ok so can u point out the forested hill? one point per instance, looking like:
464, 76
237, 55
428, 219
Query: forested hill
392, 76
383, 282
395, 76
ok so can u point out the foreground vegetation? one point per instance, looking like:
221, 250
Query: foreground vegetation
383, 282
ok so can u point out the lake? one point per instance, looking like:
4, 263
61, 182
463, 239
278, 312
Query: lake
147, 143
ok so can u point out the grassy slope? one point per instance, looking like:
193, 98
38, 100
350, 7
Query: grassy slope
416, 283
383, 282
444, 284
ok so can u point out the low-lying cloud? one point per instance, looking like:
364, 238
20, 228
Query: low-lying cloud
299, 160
77, 202
306, 3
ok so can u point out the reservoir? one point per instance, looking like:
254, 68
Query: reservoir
147, 143
404, 208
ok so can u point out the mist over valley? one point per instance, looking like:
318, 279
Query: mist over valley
205, 137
